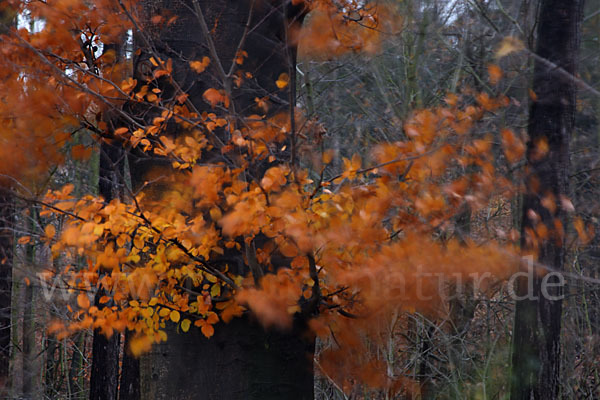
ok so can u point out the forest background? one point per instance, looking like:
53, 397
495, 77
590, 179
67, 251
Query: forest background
361, 201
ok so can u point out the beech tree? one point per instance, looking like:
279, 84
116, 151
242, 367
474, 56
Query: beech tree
226, 236
250, 41
224, 244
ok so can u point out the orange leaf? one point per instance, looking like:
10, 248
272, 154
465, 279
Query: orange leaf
200, 66
139, 345
50, 231
239, 58
495, 73
214, 97
83, 300
212, 318
231, 311
128, 85
283, 80
532, 95
81, 152
207, 330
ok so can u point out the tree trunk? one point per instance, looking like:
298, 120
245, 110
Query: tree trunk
536, 335
6, 260
104, 380
105, 351
6, 252
29, 370
31, 366
105, 367
129, 387
242, 360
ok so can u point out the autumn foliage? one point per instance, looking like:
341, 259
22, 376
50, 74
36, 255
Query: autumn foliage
351, 250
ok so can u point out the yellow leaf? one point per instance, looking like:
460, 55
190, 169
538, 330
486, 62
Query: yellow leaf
24, 239
162, 335
509, 45
282, 81
98, 230
215, 214
215, 290
174, 316
164, 312
185, 325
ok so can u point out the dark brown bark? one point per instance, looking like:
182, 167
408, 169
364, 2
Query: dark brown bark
265, 42
105, 367
242, 360
6, 250
31, 388
6, 260
105, 351
129, 386
29, 350
536, 335
104, 379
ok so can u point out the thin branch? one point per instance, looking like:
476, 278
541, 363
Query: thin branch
210, 43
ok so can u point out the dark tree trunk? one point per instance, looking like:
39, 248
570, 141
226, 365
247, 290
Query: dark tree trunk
29, 326
6, 260
105, 351
7, 20
242, 360
129, 387
265, 42
536, 335
105, 367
